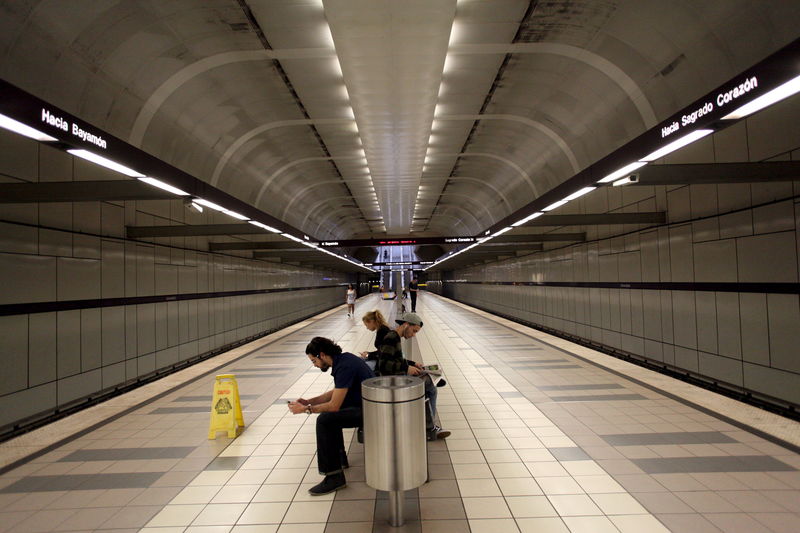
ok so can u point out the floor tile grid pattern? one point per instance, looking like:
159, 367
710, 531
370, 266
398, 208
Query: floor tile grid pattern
228, 478
778, 506
498, 452
31, 442
152, 431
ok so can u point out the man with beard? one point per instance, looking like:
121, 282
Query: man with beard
338, 408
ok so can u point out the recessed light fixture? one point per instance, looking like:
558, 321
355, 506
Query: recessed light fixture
555, 205
234, 214
103, 162
264, 226
578, 194
676, 144
527, 219
164, 186
627, 169
23, 129
775, 95
210, 205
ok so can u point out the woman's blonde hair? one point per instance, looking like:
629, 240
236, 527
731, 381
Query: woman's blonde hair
375, 316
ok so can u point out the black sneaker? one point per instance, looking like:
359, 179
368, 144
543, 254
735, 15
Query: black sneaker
331, 483
438, 433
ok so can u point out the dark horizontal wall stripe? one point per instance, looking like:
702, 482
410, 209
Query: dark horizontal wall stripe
773, 288
70, 305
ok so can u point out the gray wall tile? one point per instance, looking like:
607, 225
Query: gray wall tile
91, 339
755, 328
706, 306
728, 324
29, 278
42, 348
771, 257
113, 269
13, 353
722, 368
773, 382
715, 261
784, 331
681, 253
684, 318
113, 328
78, 279
79, 385
30, 402
69, 343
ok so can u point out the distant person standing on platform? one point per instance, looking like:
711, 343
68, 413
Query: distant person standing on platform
413, 288
391, 362
339, 408
375, 321
350, 300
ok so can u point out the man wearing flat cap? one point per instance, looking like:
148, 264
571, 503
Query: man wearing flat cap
391, 362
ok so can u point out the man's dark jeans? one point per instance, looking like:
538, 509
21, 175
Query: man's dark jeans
413, 301
330, 442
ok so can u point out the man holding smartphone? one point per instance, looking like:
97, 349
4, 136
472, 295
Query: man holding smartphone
338, 408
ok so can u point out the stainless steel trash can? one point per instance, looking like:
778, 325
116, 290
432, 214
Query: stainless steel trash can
395, 452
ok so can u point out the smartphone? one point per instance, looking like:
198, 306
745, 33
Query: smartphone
432, 367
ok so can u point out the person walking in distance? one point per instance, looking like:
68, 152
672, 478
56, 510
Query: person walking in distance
338, 408
350, 300
413, 288
391, 362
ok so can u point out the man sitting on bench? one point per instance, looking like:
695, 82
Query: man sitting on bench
392, 362
339, 408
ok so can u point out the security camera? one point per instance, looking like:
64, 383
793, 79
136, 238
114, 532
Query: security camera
627, 180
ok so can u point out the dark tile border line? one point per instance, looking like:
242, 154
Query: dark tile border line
699, 286
719, 416
71, 305
74, 436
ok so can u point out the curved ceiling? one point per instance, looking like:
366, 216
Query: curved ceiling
349, 118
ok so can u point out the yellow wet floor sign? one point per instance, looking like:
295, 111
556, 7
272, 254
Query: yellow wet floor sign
226, 410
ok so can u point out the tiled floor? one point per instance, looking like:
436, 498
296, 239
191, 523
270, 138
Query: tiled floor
543, 441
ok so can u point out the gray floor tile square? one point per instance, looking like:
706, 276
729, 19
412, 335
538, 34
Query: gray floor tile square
598, 398
600, 386
747, 463
572, 453
227, 463
180, 409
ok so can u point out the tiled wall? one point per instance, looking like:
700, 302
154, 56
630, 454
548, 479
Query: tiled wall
57, 252
716, 233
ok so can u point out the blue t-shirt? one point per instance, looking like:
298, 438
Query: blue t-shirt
348, 372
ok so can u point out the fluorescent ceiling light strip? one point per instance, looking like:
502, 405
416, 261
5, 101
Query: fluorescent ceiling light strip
527, 219
677, 144
264, 226
23, 129
292, 237
627, 169
775, 95
164, 186
496, 233
578, 194
555, 205
234, 214
210, 205
103, 162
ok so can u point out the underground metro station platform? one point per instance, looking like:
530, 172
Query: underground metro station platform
593, 207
